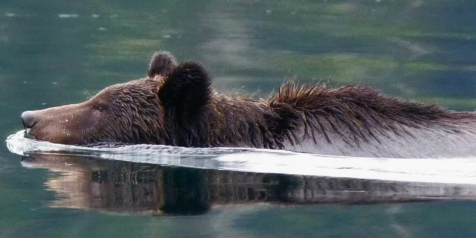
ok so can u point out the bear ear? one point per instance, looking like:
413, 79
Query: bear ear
162, 63
186, 90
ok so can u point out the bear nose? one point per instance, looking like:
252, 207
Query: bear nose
28, 119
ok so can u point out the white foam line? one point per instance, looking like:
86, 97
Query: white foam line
452, 171
446, 171
440, 170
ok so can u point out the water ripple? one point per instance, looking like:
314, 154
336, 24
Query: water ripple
440, 170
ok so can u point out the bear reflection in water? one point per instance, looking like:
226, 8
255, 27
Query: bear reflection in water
176, 105
116, 186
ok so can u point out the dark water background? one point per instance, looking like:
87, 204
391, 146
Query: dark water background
58, 52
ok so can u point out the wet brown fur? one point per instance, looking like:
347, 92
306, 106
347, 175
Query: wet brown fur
176, 105
355, 114
361, 111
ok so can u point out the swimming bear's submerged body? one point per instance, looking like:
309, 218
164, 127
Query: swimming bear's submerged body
176, 105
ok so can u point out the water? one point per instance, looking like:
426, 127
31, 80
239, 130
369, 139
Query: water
54, 53
461, 171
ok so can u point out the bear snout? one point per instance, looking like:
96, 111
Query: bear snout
29, 119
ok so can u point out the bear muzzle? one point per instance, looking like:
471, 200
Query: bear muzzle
29, 121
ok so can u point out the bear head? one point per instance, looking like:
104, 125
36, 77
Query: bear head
139, 111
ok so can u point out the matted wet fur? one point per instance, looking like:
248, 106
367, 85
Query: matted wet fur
176, 105
362, 111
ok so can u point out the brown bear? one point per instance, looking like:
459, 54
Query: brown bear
176, 105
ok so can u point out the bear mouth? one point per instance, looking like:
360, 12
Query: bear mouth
28, 130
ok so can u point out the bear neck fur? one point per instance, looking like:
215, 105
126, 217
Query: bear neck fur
352, 114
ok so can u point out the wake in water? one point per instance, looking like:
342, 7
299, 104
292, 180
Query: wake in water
451, 170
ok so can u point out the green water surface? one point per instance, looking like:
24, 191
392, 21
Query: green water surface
58, 52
